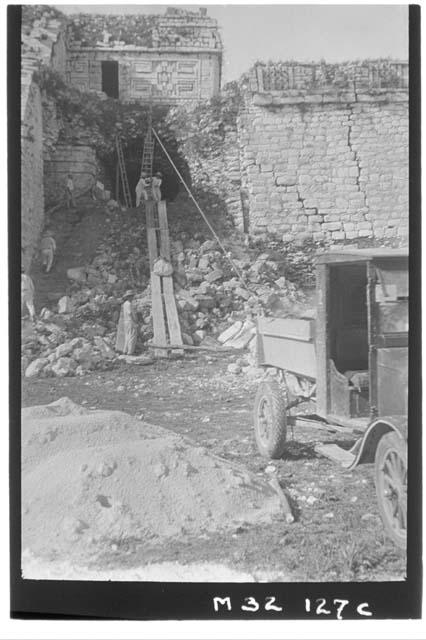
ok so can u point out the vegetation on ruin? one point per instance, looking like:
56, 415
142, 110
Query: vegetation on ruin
32, 12
202, 131
88, 29
87, 117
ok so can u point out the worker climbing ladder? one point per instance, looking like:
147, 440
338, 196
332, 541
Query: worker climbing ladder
123, 174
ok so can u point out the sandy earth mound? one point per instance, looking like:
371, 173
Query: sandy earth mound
93, 478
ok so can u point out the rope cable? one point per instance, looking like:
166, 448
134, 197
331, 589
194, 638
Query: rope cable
230, 260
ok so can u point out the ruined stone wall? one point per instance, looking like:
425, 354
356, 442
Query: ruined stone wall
326, 169
145, 75
207, 141
172, 59
32, 195
42, 42
59, 55
79, 161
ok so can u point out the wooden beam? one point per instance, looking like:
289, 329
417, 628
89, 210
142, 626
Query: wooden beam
335, 453
117, 183
159, 326
306, 423
171, 311
192, 347
164, 230
167, 282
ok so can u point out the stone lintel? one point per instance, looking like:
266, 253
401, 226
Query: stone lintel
132, 49
282, 98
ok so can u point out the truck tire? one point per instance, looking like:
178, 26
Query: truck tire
391, 486
270, 419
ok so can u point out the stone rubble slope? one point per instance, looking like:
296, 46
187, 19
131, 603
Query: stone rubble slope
96, 480
77, 333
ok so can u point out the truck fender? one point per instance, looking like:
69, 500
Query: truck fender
366, 447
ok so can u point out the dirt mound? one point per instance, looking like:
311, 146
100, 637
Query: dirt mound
96, 479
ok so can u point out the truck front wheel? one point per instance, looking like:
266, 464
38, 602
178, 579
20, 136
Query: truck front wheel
270, 419
391, 486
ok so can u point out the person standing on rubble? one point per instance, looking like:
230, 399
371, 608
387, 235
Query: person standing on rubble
156, 184
69, 192
48, 249
27, 294
141, 189
127, 332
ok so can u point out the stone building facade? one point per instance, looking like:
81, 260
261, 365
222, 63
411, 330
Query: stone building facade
169, 59
338, 171
327, 159
173, 58
315, 151
318, 152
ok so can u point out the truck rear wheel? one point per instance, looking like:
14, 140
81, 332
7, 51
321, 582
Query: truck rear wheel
391, 486
270, 419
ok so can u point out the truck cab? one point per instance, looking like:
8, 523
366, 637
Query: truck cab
362, 334
351, 363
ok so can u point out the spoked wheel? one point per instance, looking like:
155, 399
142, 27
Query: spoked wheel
391, 486
270, 419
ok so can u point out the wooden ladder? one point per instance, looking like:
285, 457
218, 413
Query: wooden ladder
148, 148
123, 174
148, 155
164, 312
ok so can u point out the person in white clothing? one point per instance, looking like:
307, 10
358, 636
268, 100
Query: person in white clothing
127, 332
69, 191
156, 184
48, 249
27, 294
141, 189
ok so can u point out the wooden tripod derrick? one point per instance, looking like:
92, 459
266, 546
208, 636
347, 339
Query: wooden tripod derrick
164, 311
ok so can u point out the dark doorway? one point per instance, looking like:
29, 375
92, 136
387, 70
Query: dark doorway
110, 78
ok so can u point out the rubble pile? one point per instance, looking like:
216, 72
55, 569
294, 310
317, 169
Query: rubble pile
95, 482
77, 332
210, 294
74, 356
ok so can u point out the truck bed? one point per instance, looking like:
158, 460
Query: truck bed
287, 343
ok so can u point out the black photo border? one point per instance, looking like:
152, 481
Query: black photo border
42, 599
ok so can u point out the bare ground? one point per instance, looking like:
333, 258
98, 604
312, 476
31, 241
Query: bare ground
337, 535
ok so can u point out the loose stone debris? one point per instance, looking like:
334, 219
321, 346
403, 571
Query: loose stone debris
76, 332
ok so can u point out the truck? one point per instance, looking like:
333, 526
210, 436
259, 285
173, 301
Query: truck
345, 371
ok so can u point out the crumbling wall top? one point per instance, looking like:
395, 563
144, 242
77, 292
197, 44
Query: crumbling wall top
41, 26
178, 29
355, 76
41, 30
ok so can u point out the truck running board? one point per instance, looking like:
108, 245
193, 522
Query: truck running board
336, 453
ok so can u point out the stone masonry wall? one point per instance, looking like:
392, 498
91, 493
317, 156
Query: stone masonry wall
147, 75
332, 170
32, 197
171, 59
208, 142
80, 162
42, 42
